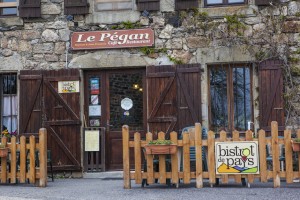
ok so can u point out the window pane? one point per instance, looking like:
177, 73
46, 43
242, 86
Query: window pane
214, 1
235, 1
9, 84
8, 11
242, 98
218, 92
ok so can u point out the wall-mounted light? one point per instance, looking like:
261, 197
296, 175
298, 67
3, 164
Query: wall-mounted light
136, 86
141, 89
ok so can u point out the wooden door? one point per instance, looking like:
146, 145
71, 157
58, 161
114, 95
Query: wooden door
174, 97
59, 113
271, 101
117, 87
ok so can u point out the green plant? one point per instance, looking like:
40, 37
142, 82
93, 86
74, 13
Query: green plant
234, 23
160, 142
2, 146
147, 50
175, 60
297, 140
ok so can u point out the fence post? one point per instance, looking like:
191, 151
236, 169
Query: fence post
223, 138
174, 159
126, 166
275, 154
13, 163
236, 137
162, 161
198, 148
32, 159
43, 157
150, 173
22, 159
249, 137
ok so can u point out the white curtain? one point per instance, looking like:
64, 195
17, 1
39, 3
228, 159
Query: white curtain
10, 113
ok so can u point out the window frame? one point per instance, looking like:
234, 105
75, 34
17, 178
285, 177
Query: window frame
2, 95
4, 5
225, 3
230, 93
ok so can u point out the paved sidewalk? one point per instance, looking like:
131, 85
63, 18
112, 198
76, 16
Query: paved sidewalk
111, 188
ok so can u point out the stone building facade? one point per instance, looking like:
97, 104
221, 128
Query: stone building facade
246, 34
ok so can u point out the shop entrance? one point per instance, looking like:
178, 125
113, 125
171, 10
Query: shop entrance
114, 98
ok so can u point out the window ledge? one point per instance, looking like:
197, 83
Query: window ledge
220, 12
110, 17
11, 21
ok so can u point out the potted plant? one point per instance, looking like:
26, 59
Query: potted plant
161, 147
3, 150
296, 144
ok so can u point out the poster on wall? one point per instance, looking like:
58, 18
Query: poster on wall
91, 140
95, 110
237, 157
68, 86
94, 82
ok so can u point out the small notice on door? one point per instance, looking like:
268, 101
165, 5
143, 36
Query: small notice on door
68, 86
91, 141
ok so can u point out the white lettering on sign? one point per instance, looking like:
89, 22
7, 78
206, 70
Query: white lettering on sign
112, 39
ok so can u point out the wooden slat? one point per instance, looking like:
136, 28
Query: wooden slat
211, 157
137, 158
3, 163
42, 156
126, 166
32, 152
262, 155
22, 159
223, 139
288, 156
198, 149
13, 161
150, 177
162, 162
235, 137
186, 158
249, 137
174, 159
275, 154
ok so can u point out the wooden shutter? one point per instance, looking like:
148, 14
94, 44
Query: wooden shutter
188, 79
30, 101
185, 4
271, 100
76, 7
30, 8
174, 97
149, 5
42, 106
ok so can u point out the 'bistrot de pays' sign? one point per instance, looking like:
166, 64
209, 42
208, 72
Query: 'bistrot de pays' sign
237, 157
112, 39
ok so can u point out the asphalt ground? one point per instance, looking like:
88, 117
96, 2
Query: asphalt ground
112, 189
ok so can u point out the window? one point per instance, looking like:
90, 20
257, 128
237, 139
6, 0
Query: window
9, 102
230, 97
102, 5
223, 2
8, 7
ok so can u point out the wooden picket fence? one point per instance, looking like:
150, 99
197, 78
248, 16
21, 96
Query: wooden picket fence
25, 161
175, 174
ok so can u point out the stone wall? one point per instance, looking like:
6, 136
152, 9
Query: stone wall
206, 36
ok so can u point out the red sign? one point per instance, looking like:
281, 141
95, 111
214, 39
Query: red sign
112, 39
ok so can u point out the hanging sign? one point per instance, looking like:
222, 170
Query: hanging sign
68, 86
112, 39
237, 157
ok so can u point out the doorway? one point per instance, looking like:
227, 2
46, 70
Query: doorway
114, 98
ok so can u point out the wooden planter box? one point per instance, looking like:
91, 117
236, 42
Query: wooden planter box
3, 152
160, 149
295, 145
